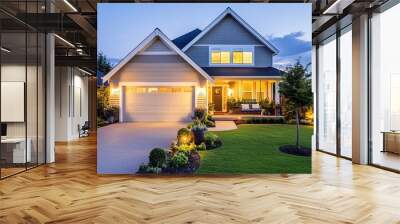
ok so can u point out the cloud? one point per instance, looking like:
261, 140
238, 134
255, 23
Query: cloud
292, 47
284, 62
291, 44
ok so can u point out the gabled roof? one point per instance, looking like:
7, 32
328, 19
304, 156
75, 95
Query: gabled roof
229, 11
183, 40
148, 40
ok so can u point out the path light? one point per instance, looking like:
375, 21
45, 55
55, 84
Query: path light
184, 139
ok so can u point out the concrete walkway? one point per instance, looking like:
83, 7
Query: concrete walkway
223, 126
121, 148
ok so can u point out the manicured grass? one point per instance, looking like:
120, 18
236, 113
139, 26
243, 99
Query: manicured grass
253, 148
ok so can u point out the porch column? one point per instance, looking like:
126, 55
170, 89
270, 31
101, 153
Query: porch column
277, 95
360, 90
121, 102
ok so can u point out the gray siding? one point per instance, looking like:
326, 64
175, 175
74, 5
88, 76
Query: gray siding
199, 54
157, 45
229, 31
262, 56
157, 68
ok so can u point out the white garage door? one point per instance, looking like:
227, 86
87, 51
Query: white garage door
157, 104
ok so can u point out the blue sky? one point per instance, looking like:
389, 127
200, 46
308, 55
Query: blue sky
121, 27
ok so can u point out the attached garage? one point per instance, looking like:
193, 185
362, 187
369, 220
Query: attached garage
157, 103
157, 82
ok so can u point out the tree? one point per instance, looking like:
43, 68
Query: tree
296, 90
103, 63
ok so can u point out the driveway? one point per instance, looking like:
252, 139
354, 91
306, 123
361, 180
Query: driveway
121, 148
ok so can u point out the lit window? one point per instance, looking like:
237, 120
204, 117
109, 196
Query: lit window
141, 90
247, 90
247, 57
225, 57
152, 90
215, 57
237, 57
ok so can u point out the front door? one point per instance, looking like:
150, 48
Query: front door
217, 98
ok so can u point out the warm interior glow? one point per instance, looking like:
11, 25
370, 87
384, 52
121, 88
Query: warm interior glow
215, 57
237, 57
225, 57
248, 57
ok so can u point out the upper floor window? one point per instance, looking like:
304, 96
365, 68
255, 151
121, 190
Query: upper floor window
234, 55
220, 57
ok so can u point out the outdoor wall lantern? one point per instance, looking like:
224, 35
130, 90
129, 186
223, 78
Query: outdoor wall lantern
230, 92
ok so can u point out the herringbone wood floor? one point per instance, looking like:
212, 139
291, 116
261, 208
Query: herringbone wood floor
70, 191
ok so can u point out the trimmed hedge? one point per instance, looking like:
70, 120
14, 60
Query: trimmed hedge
265, 120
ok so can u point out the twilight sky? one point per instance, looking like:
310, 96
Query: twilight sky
122, 26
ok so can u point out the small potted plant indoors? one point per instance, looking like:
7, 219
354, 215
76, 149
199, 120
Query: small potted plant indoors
198, 130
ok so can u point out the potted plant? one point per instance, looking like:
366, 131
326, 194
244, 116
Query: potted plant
211, 107
198, 130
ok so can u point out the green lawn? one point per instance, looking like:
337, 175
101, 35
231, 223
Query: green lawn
253, 148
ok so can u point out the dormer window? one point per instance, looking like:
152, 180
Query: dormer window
220, 57
231, 55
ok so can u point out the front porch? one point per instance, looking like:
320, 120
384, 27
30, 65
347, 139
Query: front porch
227, 95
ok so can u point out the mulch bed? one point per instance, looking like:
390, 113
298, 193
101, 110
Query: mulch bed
293, 150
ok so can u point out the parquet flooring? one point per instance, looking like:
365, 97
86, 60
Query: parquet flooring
70, 191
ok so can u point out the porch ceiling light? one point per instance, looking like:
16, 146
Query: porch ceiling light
70, 5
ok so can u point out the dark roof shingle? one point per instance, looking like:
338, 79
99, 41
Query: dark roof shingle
183, 40
243, 71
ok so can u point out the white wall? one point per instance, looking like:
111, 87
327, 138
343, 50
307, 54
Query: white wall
71, 102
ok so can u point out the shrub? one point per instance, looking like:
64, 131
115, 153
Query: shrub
179, 160
265, 120
201, 147
143, 168
194, 160
186, 147
210, 118
211, 106
212, 141
157, 157
198, 126
209, 124
200, 113
184, 136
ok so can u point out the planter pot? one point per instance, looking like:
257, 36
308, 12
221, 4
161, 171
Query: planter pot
198, 137
111, 119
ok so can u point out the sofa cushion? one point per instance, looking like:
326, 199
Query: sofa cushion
255, 106
245, 107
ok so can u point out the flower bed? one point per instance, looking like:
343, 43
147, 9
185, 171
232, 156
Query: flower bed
183, 156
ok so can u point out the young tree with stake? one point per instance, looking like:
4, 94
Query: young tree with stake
296, 90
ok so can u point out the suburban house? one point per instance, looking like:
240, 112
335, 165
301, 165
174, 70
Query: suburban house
164, 80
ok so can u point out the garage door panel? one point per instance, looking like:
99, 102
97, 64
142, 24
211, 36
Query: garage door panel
157, 106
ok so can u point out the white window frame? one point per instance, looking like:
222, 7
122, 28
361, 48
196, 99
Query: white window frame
230, 48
